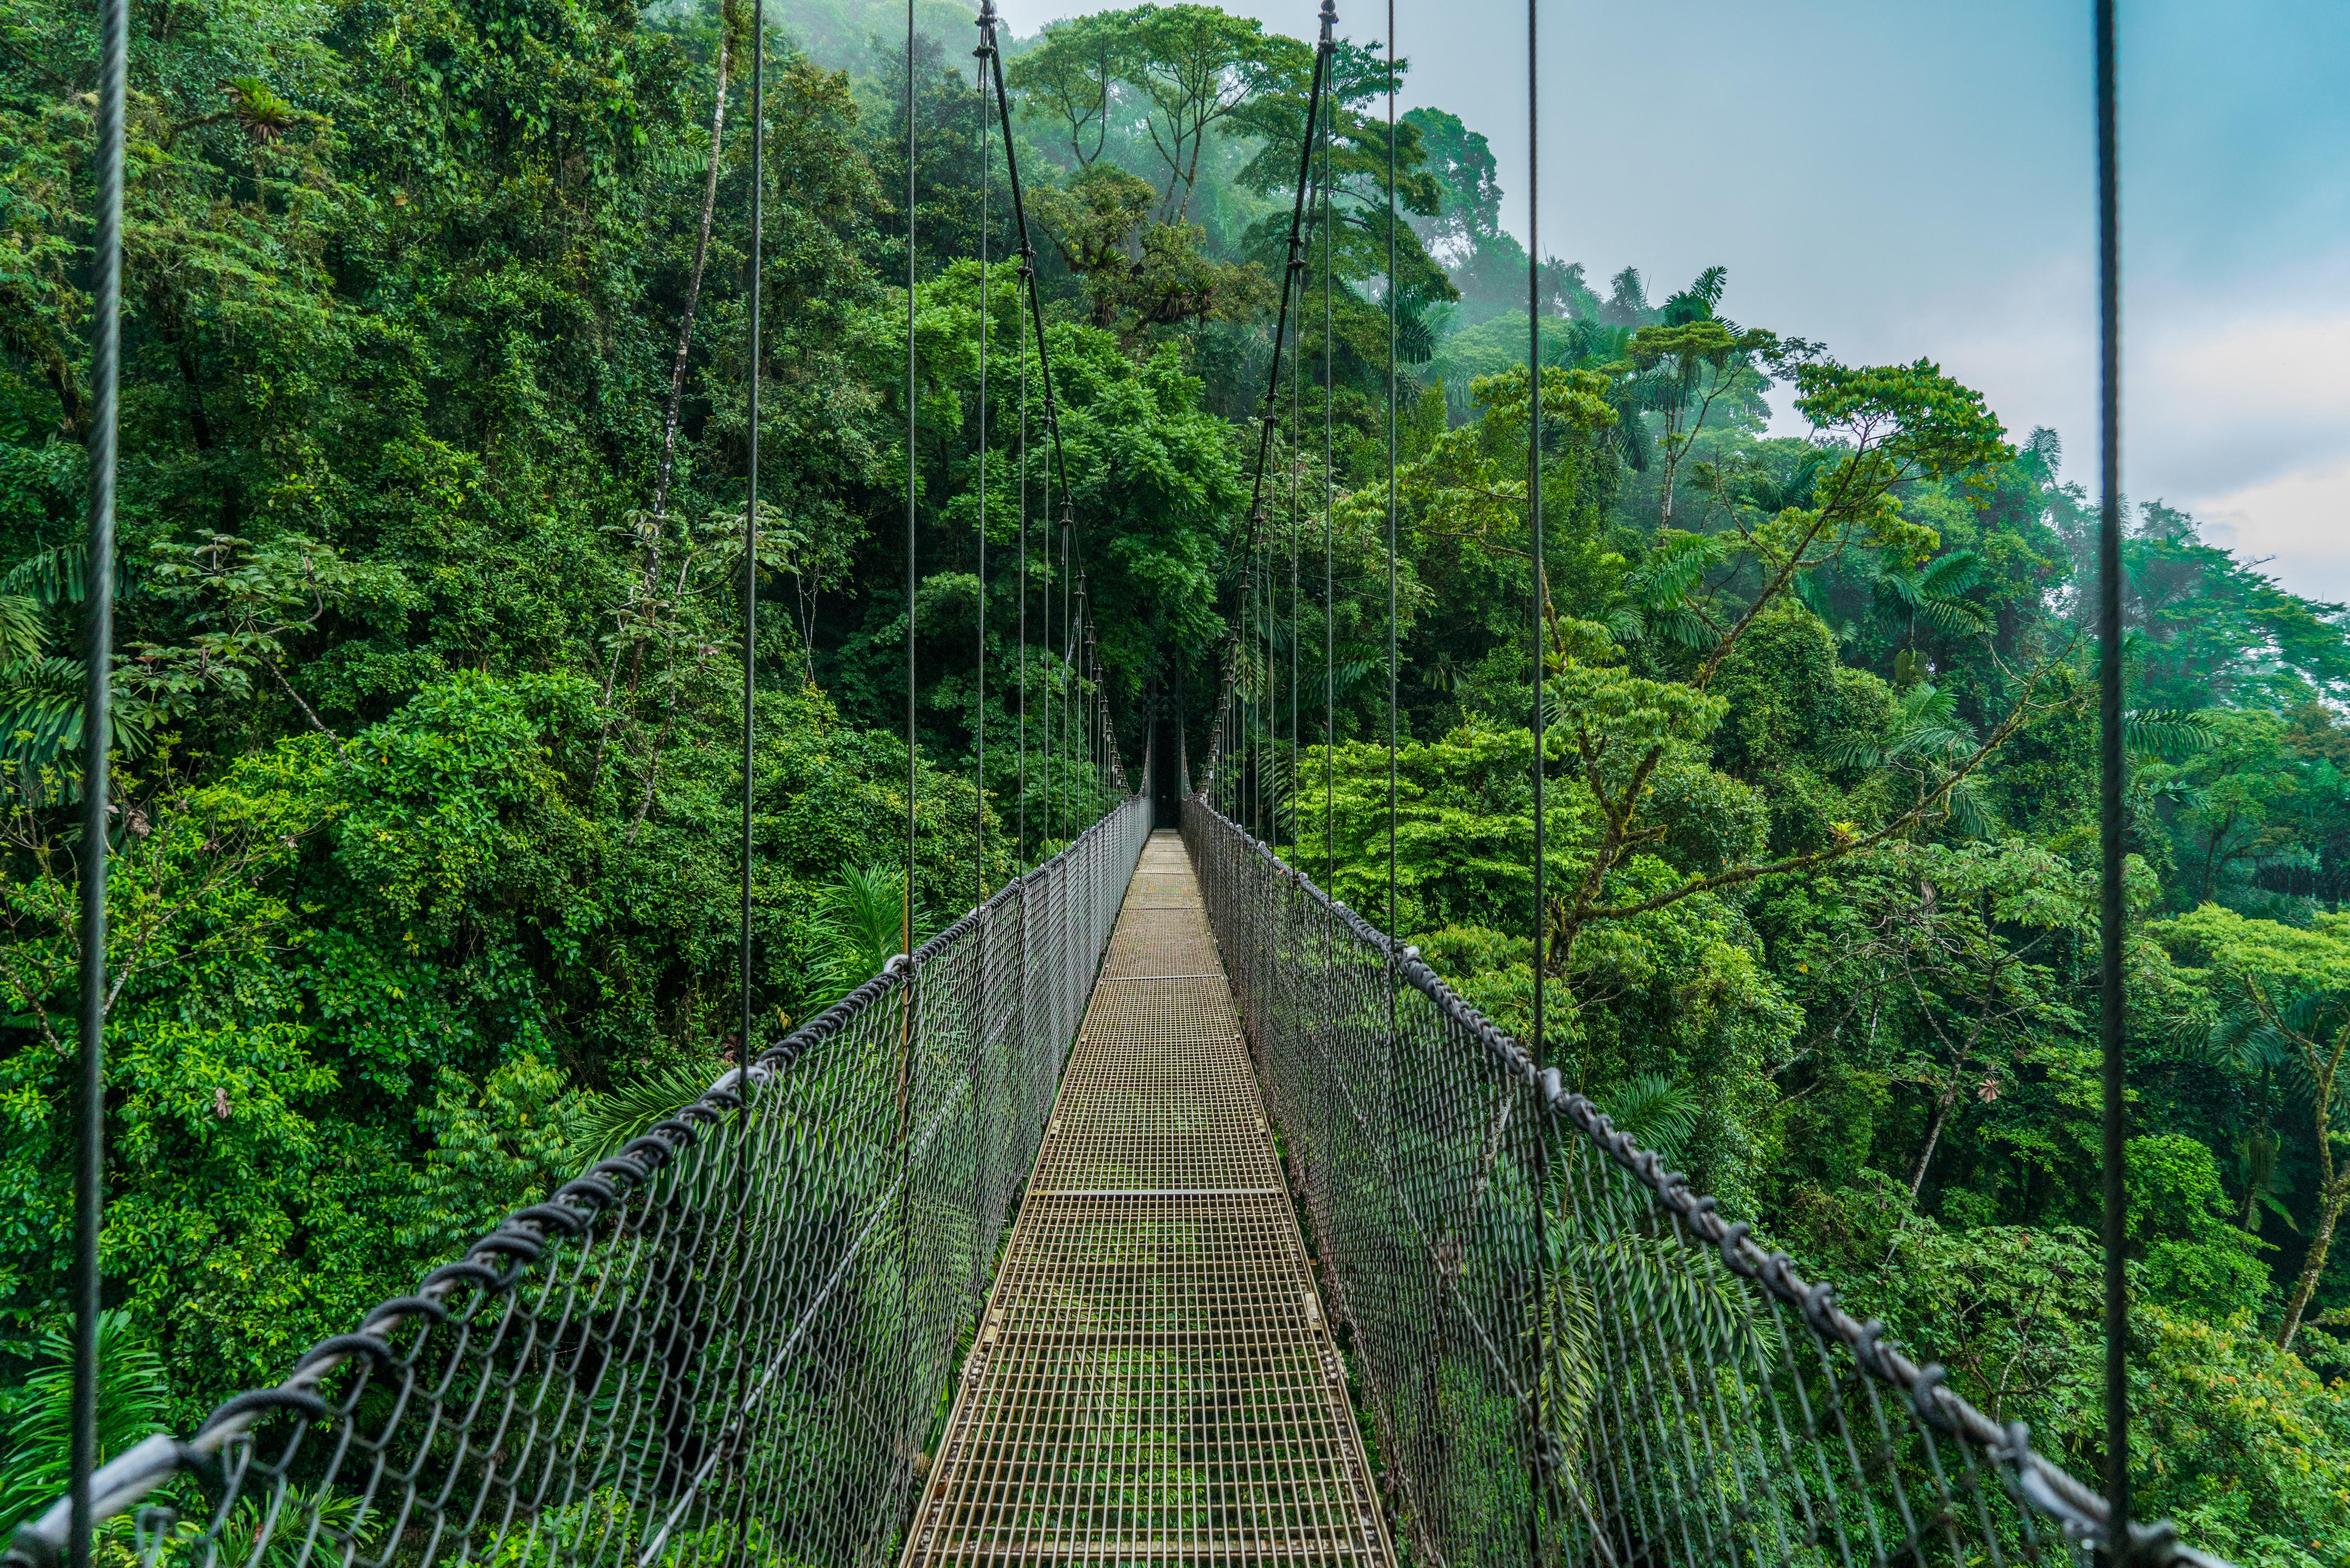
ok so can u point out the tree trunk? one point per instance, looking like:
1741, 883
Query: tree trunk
693, 296
2332, 1198
2333, 1188
651, 580
1942, 1107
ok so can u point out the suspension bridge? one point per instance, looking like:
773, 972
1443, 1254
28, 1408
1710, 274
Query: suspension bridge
1159, 1209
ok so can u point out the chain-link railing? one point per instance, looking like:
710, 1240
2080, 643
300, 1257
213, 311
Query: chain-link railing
1569, 1355
728, 1342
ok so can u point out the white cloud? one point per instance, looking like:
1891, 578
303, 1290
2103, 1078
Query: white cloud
2301, 518
2235, 405
2227, 403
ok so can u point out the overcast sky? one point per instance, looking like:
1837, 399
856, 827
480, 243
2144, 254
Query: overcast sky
1897, 180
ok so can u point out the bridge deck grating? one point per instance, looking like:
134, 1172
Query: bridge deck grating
1154, 1380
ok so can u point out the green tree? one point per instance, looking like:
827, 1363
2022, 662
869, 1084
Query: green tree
1196, 65
1073, 73
1138, 274
2287, 991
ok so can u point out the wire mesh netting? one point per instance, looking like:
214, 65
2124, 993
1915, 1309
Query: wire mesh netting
1569, 1355
729, 1342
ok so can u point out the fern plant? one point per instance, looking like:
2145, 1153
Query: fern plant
630, 1107
1662, 591
1926, 737
40, 691
1934, 593
132, 1402
860, 927
1615, 1264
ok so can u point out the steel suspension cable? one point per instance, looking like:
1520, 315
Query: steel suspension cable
1044, 633
1391, 491
979, 700
906, 999
1068, 646
1260, 686
1296, 483
1535, 505
97, 732
1329, 509
742, 1051
1081, 643
2113, 908
1539, 1414
913, 432
1058, 465
1021, 858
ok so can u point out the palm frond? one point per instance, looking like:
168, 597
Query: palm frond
1969, 811
610, 1119
2168, 733
24, 627
1898, 589
1624, 624
1947, 576
1657, 1109
1955, 616
1851, 749
41, 714
54, 575
1682, 626
858, 926
1675, 566
132, 1401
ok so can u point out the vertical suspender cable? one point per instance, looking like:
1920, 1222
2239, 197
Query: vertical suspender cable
1296, 483
1021, 859
979, 660
2113, 910
1044, 526
751, 496
979, 700
906, 902
912, 430
1052, 687
97, 732
750, 730
1058, 459
1535, 493
1391, 499
1543, 1271
1068, 646
1081, 670
1330, 504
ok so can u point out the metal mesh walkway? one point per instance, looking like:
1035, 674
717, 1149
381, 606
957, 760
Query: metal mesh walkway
1155, 1379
